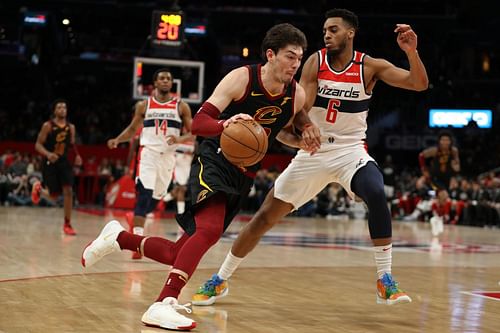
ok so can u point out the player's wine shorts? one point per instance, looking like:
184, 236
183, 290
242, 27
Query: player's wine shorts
56, 175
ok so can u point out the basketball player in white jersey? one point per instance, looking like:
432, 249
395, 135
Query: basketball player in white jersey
162, 116
339, 82
183, 158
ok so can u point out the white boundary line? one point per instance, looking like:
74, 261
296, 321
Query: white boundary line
474, 293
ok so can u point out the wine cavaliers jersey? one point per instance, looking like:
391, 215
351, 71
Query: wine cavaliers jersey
59, 139
440, 169
272, 112
341, 106
160, 121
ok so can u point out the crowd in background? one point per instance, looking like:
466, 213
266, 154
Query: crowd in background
473, 201
18, 172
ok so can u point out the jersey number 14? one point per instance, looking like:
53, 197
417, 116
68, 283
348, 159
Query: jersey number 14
161, 126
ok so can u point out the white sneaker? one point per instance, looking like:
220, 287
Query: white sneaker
164, 315
103, 245
413, 216
436, 225
441, 225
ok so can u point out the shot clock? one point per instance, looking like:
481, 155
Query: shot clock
167, 28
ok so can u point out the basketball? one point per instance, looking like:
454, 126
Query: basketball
244, 143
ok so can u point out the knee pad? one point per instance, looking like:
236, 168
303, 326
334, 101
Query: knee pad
368, 184
144, 198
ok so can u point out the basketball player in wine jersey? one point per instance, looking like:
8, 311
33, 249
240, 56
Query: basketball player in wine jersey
216, 188
53, 142
161, 116
339, 82
445, 162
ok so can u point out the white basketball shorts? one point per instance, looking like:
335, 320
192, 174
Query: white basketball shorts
182, 167
155, 170
307, 175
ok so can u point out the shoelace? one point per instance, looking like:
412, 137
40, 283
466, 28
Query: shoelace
390, 284
210, 285
186, 307
101, 252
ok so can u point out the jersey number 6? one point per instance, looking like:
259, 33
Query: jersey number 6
331, 113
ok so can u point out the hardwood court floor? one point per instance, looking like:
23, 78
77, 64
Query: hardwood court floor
308, 275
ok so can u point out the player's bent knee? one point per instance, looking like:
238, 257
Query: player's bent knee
376, 193
211, 235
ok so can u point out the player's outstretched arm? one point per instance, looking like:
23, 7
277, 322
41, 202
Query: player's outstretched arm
129, 132
413, 79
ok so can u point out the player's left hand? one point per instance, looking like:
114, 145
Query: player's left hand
311, 149
78, 160
407, 38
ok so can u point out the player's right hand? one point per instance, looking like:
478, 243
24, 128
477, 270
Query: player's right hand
112, 143
311, 135
52, 157
236, 117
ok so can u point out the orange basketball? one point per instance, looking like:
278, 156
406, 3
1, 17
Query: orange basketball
244, 143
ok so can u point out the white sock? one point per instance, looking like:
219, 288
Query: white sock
168, 197
181, 206
229, 265
139, 231
383, 259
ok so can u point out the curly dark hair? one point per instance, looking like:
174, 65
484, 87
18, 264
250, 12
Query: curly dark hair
346, 15
57, 101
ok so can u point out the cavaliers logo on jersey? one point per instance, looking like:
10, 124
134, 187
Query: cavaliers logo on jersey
201, 196
267, 115
61, 136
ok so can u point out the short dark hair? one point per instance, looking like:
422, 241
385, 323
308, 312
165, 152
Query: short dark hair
161, 70
444, 133
346, 15
57, 101
282, 35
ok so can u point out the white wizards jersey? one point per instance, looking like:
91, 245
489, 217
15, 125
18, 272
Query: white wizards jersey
341, 106
160, 121
186, 147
